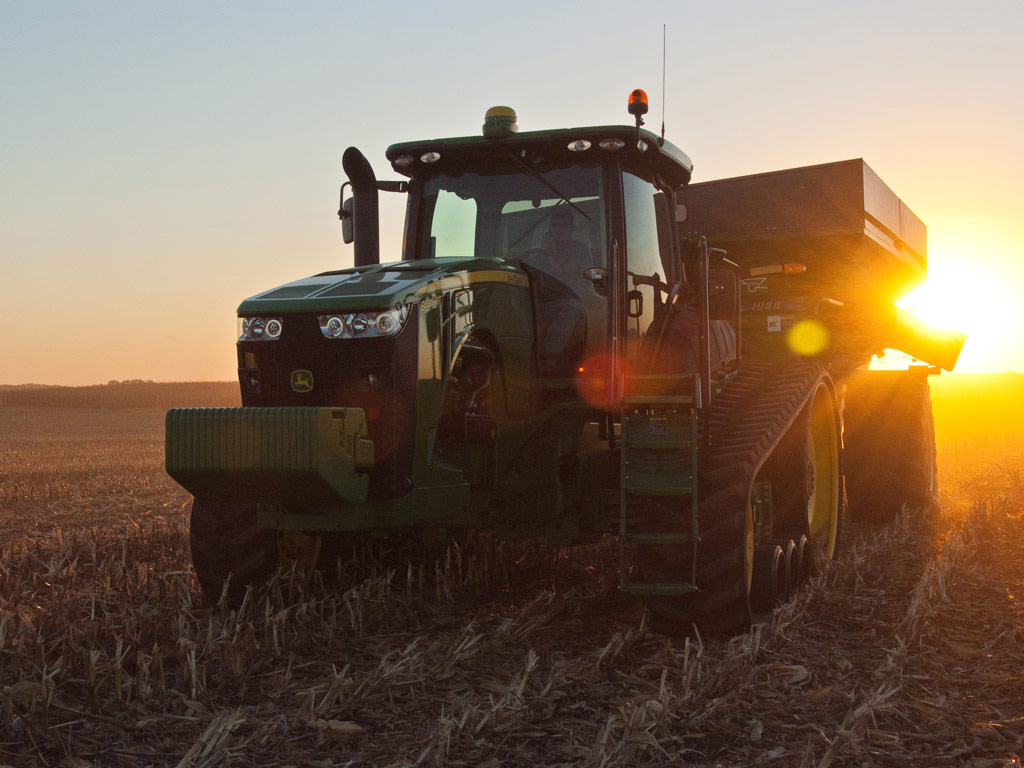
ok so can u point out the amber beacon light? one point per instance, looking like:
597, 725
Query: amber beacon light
638, 105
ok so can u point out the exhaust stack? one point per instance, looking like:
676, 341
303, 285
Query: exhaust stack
365, 213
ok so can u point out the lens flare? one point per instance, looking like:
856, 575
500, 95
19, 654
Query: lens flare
807, 337
593, 378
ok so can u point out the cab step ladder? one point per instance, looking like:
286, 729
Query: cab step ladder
658, 464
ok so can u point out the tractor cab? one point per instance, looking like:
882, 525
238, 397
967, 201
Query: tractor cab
586, 213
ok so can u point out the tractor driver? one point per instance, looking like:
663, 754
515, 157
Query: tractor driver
569, 257
562, 316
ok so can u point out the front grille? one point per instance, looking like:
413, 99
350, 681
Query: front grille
377, 375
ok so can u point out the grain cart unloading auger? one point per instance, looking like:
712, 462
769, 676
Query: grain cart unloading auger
559, 353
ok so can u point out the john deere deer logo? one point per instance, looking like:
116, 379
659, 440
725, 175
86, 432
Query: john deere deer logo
302, 381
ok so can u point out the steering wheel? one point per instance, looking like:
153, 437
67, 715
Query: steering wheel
544, 261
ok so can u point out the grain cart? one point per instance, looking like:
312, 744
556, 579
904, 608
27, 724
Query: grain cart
575, 342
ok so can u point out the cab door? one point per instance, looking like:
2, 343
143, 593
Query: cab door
646, 270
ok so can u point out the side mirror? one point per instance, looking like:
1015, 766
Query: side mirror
345, 214
635, 306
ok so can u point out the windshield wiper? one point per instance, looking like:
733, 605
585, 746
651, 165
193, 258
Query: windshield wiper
549, 185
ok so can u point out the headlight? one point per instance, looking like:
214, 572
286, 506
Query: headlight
260, 328
364, 325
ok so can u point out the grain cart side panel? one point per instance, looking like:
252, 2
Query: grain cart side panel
856, 237
855, 247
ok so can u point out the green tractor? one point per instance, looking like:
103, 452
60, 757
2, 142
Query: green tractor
560, 353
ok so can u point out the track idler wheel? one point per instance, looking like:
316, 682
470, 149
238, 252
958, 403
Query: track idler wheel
791, 557
806, 567
770, 584
780, 568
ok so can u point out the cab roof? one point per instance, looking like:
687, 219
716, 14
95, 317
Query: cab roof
467, 153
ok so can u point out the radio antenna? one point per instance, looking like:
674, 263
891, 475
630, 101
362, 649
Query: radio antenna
663, 82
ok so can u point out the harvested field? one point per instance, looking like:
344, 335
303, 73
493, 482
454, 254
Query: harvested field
910, 651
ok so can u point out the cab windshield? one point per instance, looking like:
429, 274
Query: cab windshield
550, 220
510, 215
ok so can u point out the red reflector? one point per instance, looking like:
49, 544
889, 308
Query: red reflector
373, 414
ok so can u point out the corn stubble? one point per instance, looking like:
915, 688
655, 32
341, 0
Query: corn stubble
908, 651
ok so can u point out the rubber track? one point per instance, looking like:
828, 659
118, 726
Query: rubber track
750, 416
746, 422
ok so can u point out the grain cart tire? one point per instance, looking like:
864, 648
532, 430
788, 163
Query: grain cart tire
227, 547
889, 444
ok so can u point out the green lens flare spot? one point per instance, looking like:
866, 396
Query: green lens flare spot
807, 337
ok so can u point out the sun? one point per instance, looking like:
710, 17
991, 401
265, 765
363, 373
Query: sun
966, 302
973, 300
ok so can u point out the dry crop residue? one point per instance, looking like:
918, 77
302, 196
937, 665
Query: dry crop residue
909, 651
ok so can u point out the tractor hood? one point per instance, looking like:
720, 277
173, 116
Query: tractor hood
381, 285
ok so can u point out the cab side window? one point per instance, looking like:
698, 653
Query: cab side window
648, 257
453, 227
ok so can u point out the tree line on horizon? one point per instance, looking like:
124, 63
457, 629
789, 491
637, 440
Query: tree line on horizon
134, 393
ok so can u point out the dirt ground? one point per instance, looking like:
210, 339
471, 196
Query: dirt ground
907, 651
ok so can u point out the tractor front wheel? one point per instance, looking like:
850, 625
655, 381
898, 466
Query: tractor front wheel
228, 550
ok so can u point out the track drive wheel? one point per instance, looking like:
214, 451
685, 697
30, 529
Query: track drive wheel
824, 478
806, 477
889, 440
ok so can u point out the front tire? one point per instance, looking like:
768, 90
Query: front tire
228, 550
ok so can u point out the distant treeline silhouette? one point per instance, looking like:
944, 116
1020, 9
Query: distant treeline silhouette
127, 394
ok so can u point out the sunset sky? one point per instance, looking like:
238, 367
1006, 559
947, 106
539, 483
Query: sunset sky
161, 162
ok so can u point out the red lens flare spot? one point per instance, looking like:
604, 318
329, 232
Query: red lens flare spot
594, 378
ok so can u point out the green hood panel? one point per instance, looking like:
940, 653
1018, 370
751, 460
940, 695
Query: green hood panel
380, 286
